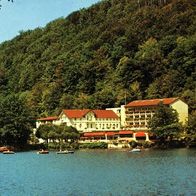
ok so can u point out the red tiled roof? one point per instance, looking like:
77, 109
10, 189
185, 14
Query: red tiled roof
140, 134
151, 102
98, 113
105, 114
49, 118
125, 132
75, 113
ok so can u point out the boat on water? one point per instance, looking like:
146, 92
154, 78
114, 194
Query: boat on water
3, 148
43, 152
8, 152
65, 152
135, 150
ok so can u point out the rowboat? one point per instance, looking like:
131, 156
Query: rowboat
43, 152
135, 150
8, 152
65, 152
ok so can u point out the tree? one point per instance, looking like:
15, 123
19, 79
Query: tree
93, 56
150, 59
168, 85
164, 123
127, 71
60, 133
191, 129
66, 101
71, 133
46, 131
15, 121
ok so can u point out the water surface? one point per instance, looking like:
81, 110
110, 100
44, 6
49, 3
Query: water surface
99, 172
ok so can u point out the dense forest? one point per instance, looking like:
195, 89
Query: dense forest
95, 57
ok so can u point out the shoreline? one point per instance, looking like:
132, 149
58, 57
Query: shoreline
29, 149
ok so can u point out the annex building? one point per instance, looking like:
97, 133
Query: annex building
138, 113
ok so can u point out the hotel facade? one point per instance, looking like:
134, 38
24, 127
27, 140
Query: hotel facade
129, 122
138, 113
85, 120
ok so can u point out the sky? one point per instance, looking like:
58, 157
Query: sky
23, 15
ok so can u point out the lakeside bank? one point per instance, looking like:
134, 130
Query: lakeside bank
102, 145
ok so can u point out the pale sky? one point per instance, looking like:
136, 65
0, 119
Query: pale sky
29, 14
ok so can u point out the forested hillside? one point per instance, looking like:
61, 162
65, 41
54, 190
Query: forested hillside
96, 56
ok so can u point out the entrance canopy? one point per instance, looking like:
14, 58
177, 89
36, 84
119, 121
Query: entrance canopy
140, 134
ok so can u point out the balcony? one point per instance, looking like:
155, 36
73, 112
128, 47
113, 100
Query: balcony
129, 119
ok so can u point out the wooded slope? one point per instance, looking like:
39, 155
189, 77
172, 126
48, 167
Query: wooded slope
95, 56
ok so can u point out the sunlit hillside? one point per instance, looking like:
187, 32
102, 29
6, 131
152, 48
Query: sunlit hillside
95, 56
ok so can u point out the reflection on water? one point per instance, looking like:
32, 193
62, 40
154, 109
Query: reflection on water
99, 172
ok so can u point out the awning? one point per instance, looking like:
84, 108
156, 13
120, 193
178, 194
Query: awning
110, 133
94, 134
125, 132
140, 134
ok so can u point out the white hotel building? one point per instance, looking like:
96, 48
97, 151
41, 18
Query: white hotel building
85, 120
129, 122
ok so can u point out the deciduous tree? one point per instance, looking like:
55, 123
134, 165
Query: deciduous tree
164, 123
15, 121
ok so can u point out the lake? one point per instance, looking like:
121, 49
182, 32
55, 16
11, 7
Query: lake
99, 172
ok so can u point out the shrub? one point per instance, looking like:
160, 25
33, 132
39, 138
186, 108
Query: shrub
74, 145
133, 144
51, 145
147, 144
115, 143
94, 145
